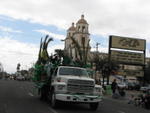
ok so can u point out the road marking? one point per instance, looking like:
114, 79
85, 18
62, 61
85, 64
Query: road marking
121, 112
52, 110
30, 94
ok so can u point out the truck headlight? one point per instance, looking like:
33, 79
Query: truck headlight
97, 89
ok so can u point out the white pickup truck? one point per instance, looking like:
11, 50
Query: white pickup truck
72, 84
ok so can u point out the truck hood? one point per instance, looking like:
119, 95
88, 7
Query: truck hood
67, 77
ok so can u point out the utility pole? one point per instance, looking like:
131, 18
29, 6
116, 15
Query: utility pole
97, 44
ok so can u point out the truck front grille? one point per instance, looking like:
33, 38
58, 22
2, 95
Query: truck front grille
80, 86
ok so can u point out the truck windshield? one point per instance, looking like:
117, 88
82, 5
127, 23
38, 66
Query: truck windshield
72, 71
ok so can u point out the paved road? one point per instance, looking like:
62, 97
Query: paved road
19, 97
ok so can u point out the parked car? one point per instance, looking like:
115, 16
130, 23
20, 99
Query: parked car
145, 88
20, 78
137, 86
122, 85
130, 85
133, 86
11, 78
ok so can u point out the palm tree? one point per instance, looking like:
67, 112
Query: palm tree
81, 50
43, 54
77, 47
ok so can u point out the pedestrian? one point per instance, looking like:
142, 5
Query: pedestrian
114, 86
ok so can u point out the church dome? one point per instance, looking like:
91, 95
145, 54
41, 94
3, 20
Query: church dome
72, 28
82, 20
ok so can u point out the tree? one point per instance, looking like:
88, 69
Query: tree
81, 50
43, 54
147, 72
105, 66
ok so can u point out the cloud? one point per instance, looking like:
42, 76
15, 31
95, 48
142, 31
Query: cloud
14, 52
105, 17
92, 43
100, 49
148, 53
8, 29
51, 49
3, 18
129, 18
57, 36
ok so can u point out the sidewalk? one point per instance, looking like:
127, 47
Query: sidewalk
126, 97
125, 100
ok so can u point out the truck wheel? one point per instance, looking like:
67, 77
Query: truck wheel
41, 94
54, 102
94, 106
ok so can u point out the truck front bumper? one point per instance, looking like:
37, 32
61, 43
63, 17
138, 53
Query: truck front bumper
78, 98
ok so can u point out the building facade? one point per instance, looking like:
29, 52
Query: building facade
77, 40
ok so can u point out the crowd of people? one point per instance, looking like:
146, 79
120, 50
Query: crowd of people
142, 100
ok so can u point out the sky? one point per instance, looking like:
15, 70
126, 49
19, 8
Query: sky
24, 22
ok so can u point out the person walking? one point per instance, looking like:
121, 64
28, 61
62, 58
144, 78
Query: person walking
114, 86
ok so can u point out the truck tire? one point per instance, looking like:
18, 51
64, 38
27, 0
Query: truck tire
94, 106
43, 93
54, 102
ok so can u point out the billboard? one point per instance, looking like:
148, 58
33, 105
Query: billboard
125, 57
127, 43
137, 73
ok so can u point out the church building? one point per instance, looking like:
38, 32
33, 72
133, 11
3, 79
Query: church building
77, 40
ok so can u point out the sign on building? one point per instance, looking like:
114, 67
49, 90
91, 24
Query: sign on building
138, 73
127, 43
127, 51
124, 57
